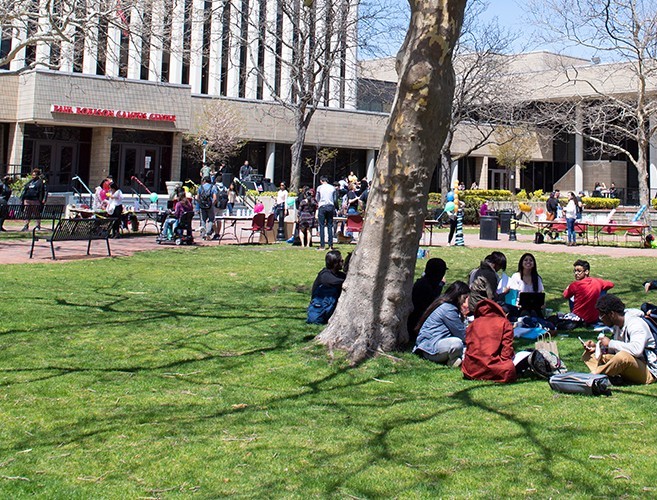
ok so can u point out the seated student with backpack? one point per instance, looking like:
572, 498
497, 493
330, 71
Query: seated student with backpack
630, 354
326, 289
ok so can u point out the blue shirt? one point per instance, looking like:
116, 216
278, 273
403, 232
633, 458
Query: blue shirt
444, 322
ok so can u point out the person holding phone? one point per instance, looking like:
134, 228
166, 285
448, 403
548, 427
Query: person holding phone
630, 354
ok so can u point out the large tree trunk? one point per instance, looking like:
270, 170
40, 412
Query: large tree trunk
375, 302
302, 120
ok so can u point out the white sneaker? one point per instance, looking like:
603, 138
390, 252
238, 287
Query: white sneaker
456, 363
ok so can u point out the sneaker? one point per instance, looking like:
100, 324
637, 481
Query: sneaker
320, 248
456, 363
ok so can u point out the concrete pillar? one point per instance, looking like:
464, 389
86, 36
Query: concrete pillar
101, 147
482, 169
370, 158
579, 153
196, 48
15, 144
271, 160
454, 175
135, 45
177, 35
157, 28
214, 73
176, 156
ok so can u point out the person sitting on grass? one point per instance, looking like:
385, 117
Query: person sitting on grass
585, 291
630, 354
526, 280
441, 331
484, 280
650, 285
425, 290
326, 289
489, 353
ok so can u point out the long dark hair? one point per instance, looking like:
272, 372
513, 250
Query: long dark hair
534, 270
452, 296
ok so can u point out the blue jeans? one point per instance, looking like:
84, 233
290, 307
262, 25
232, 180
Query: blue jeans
570, 230
325, 219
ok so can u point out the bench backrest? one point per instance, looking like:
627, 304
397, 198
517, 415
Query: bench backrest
82, 229
23, 212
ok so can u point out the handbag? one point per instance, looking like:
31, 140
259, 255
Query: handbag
546, 343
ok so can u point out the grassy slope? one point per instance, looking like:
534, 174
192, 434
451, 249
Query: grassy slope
191, 372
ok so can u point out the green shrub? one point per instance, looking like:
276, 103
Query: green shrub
654, 203
591, 203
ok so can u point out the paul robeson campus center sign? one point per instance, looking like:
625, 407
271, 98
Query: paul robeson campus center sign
112, 113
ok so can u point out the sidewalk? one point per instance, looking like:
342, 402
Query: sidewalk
14, 251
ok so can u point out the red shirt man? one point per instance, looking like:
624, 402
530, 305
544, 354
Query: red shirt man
585, 291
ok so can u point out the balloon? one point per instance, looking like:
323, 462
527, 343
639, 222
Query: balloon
450, 206
154, 197
450, 196
291, 200
539, 211
259, 207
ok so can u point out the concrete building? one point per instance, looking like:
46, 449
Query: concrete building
118, 101
109, 102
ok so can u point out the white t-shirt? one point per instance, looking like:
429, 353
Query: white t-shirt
518, 286
281, 197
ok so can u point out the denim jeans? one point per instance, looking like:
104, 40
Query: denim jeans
325, 219
570, 229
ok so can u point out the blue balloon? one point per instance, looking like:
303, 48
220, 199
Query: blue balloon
450, 196
450, 206
154, 197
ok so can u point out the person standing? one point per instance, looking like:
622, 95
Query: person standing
34, 197
326, 201
5, 194
551, 206
206, 197
281, 201
571, 217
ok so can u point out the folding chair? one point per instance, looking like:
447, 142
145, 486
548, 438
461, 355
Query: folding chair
354, 224
257, 227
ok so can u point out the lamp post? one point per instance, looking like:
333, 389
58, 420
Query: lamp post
280, 235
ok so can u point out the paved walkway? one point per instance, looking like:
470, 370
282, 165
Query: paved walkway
17, 251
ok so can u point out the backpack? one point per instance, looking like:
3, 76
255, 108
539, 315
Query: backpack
205, 198
222, 199
650, 312
539, 238
322, 305
545, 363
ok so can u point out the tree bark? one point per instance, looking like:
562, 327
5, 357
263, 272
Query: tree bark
296, 150
375, 302
446, 165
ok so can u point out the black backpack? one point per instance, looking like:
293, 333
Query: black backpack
222, 199
205, 198
650, 312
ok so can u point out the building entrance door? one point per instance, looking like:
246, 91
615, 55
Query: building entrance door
141, 162
59, 161
497, 179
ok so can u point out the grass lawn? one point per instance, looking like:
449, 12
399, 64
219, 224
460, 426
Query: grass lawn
191, 373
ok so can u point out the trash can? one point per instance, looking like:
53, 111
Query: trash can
505, 221
488, 227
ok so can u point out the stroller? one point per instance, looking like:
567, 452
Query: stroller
181, 233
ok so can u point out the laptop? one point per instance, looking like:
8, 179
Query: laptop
531, 301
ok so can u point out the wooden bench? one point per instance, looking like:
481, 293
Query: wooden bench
34, 212
77, 230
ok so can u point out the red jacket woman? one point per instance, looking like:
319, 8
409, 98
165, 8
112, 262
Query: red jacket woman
489, 345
